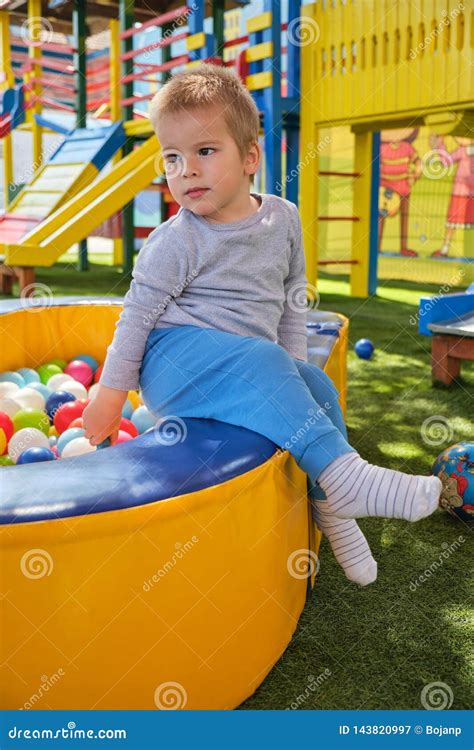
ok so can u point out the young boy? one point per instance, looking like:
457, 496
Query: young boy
214, 322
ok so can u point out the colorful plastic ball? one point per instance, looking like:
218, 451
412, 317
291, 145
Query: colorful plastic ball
364, 348
79, 422
55, 382
35, 455
34, 418
143, 419
54, 449
53, 440
70, 434
127, 426
98, 373
29, 437
78, 447
53, 431
29, 375
61, 363
455, 467
92, 393
6, 425
41, 388
47, 371
134, 399
123, 437
127, 409
81, 371
77, 389
91, 361
6, 461
30, 398
9, 406
12, 377
8, 389
56, 400
3, 442
67, 412
104, 444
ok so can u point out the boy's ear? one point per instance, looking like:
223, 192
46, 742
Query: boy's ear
254, 155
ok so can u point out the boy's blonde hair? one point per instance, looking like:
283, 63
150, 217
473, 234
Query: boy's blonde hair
206, 85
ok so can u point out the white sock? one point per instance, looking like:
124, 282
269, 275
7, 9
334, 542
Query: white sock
354, 489
349, 545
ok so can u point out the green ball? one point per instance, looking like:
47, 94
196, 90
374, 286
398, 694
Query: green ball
47, 371
6, 461
61, 363
31, 418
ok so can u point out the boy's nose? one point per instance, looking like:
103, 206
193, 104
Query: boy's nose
190, 168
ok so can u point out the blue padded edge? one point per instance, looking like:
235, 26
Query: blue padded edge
445, 307
137, 472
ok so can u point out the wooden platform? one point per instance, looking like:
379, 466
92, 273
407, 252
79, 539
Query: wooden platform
452, 342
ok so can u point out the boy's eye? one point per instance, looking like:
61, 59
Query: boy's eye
170, 158
206, 148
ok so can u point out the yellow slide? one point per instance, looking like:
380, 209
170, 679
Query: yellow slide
77, 218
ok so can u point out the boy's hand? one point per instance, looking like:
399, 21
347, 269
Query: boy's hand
102, 415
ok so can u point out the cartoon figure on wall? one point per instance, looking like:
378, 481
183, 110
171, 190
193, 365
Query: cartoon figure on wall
400, 167
461, 204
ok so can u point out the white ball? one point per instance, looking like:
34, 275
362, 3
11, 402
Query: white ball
78, 447
29, 398
73, 386
7, 389
9, 406
28, 437
55, 382
93, 390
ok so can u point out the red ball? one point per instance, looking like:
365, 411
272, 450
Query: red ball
6, 425
98, 373
68, 412
127, 426
123, 437
54, 449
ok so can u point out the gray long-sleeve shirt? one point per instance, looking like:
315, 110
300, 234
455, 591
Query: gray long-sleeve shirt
245, 277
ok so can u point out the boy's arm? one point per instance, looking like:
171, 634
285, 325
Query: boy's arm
292, 334
158, 277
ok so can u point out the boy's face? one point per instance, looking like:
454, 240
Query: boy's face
199, 152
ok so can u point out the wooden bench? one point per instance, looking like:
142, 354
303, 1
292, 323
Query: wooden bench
452, 342
25, 275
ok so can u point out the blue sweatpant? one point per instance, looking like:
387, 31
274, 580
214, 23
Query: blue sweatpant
188, 371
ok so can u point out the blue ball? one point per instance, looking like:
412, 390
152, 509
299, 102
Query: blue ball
90, 360
36, 455
56, 400
364, 348
127, 409
104, 444
12, 377
455, 467
143, 419
70, 434
30, 376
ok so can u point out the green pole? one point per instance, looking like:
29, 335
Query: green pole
79, 60
218, 26
126, 19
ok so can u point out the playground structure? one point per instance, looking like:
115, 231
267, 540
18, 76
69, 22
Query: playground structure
421, 51
153, 563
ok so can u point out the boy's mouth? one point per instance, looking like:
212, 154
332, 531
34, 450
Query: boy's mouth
196, 192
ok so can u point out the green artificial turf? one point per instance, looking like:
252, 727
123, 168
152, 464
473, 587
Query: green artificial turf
375, 647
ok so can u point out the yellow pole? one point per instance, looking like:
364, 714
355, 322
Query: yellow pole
34, 53
115, 110
361, 208
7, 80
